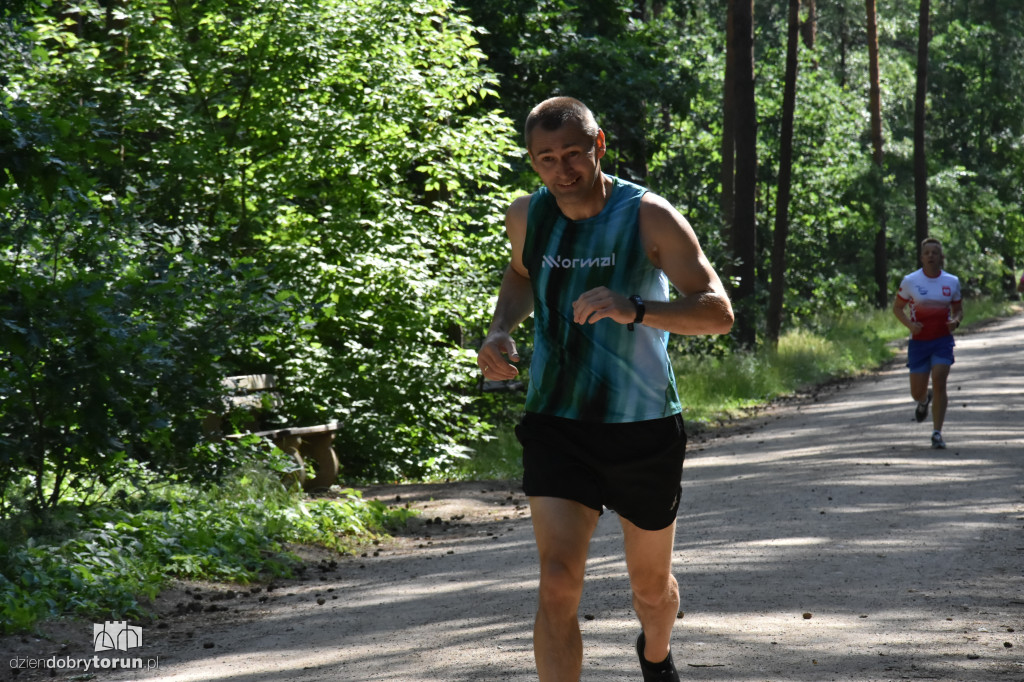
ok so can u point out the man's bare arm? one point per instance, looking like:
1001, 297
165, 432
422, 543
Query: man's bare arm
515, 302
956, 317
703, 306
899, 309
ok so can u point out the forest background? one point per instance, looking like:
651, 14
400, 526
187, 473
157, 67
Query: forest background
316, 188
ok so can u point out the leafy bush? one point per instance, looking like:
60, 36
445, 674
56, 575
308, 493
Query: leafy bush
109, 360
300, 187
109, 561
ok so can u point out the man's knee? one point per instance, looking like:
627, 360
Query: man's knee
561, 585
655, 587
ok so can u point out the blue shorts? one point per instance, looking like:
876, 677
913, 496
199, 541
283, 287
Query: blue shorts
923, 355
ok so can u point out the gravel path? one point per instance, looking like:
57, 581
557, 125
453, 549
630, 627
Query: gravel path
820, 540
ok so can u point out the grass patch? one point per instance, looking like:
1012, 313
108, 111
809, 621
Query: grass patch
715, 389
498, 457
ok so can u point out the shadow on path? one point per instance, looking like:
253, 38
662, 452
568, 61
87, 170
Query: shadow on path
828, 542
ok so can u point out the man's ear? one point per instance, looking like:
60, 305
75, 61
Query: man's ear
599, 144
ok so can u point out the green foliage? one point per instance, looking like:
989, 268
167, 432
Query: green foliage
316, 189
395, 207
600, 52
497, 456
109, 360
108, 561
628, 68
196, 191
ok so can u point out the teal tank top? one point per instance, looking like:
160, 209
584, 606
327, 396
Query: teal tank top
599, 372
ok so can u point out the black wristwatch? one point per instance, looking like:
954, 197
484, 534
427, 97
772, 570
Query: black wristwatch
640, 310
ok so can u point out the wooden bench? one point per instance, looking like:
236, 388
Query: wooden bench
254, 395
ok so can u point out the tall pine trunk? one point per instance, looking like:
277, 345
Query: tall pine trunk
728, 177
920, 160
744, 229
878, 199
777, 292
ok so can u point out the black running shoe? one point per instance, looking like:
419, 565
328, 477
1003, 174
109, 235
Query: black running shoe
922, 408
937, 441
655, 672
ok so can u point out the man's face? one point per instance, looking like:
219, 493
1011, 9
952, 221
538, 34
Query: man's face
931, 257
566, 159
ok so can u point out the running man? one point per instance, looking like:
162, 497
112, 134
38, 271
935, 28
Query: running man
936, 311
592, 257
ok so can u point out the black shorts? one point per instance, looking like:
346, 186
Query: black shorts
634, 468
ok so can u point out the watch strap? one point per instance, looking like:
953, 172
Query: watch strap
641, 310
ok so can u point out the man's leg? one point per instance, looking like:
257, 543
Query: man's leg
919, 386
940, 396
563, 529
655, 591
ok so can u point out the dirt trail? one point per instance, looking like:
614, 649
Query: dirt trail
821, 540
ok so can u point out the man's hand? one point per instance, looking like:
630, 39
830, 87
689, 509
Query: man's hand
491, 358
600, 303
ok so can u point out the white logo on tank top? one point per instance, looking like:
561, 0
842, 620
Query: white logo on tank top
595, 262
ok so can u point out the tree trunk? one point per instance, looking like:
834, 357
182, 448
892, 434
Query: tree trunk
777, 293
920, 160
744, 231
844, 40
1010, 277
729, 136
879, 195
809, 28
